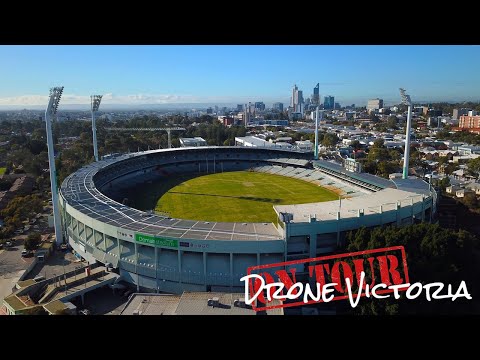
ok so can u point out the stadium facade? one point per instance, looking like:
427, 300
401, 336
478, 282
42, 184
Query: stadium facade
164, 254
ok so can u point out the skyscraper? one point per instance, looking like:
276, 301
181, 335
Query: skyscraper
297, 99
329, 102
316, 95
278, 106
294, 93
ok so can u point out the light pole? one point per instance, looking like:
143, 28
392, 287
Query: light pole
95, 100
54, 100
316, 135
407, 101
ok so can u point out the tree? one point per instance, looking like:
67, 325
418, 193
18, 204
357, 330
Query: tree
392, 122
32, 241
5, 184
434, 254
355, 144
378, 143
471, 201
444, 183
330, 140
373, 117
474, 166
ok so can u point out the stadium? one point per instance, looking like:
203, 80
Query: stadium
162, 253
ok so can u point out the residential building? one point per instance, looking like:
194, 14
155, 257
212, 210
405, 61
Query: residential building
226, 120
462, 192
329, 102
474, 187
452, 189
374, 104
469, 123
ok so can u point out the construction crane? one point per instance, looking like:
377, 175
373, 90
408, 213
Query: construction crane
168, 130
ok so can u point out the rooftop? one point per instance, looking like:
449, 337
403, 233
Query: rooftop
80, 192
190, 303
349, 207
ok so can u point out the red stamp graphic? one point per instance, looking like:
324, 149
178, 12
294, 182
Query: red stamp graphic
334, 277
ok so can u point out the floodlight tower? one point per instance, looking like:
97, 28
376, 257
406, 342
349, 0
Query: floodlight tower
55, 95
96, 99
316, 135
407, 101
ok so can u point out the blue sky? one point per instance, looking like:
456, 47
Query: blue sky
237, 74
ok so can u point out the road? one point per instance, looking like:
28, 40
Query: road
12, 265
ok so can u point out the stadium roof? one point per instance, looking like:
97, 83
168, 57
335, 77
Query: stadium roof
349, 207
80, 192
363, 177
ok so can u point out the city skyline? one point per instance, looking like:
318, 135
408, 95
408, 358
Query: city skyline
135, 76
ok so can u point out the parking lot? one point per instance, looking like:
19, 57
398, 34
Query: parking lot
12, 266
57, 263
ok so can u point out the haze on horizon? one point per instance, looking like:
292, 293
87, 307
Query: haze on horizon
177, 76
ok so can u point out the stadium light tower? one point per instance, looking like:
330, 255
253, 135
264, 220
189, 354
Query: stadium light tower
96, 99
316, 135
55, 95
407, 101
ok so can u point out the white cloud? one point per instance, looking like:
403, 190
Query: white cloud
133, 99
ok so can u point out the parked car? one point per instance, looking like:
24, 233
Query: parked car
26, 253
8, 244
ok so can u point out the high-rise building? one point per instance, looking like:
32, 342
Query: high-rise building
260, 106
329, 102
375, 104
459, 112
294, 93
316, 95
246, 116
297, 99
278, 106
239, 107
209, 110
337, 106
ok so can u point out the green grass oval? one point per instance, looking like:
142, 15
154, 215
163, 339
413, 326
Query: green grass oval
239, 196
